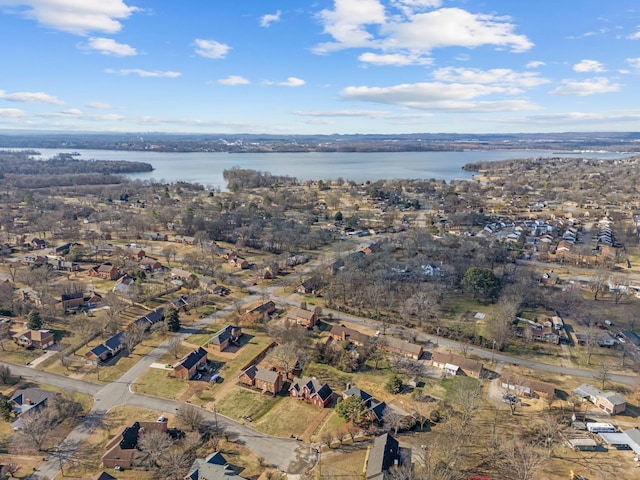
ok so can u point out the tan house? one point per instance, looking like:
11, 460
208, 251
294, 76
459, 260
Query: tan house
454, 364
304, 318
527, 387
401, 347
260, 312
187, 366
262, 379
35, 338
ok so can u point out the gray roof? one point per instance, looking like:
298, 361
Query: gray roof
268, 376
213, 467
586, 390
382, 455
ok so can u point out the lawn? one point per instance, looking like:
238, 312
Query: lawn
203, 336
244, 403
16, 354
159, 383
288, 417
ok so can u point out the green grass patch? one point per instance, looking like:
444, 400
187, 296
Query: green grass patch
159, 383
245, 403
203, 336
14, 353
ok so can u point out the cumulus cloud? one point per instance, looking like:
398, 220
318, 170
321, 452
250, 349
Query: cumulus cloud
30, 97
108, 46
12, 113
366, 24
586, 87
211, 48
455, 97
269, 18
234, 80
143, 73
498, 76
289, 82
535, 64
77, 17
634, 36
397, 59
589, 66
634, 62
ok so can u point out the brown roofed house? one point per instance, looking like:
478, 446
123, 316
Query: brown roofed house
340, 333
455, 364
527, 387
106, 271
35, 338
121, 450
188, 365
304, 318
262, 379
311, 390
402, 347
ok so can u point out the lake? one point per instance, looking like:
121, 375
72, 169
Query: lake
206, 168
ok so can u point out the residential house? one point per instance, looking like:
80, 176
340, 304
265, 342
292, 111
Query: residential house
188, 365
28, 399
340, 333
455, 364
124, 283
401, 347
37, 243
526, 387
375, 407
144, 324
385, 455
41, 339
633, 435
188, 240
121, 450
311, 390
371, 248
542, 334
184, 275
76, 300
225, 337
304, 318
631, 337
151, 265
212, 467
136, 254
154, 236
611, 403
35, 259
103, 476
110, 348
62, 265
106, 271
260, 312
262, 379
310, 286
180, 303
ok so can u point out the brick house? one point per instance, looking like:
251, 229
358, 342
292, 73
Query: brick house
260, 312
121, 450
311, 390
188, 365
106, 271
340, 333
262, 379
401, 347
109, 348
611, 403
304, 318
225, 337
41, 339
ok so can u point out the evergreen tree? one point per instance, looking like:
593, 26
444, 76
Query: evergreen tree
172, 319
394, 385
34, 322
6, 409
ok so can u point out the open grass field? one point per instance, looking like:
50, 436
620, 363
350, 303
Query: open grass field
244, 403
15, 353
288, 417
159, 383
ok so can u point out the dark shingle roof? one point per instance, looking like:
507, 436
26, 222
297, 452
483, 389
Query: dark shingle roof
193, 358
382, 455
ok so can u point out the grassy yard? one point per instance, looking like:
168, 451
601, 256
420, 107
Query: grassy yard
334, 425
203, 336
288, 417
16, 354
244, 403
159, 383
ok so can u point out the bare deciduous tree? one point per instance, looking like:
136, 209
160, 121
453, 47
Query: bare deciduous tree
190, 416
152, 448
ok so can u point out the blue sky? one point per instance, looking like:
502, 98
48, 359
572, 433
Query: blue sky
327, 66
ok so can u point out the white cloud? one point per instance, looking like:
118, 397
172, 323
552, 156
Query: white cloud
143, 73
289, 82
211, 48
586, 87
365, 24
75, 16
12, 113
98, 105
634, 36
438, 96
234, 80
634, 62
587, 66
398, 59
108, 46
269, 18
535, 64
500, 76
30, 97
